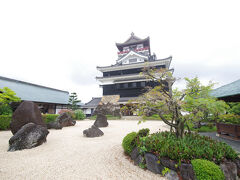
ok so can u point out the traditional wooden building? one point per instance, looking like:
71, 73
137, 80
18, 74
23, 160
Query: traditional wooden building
124, 78
48, 99
229, 92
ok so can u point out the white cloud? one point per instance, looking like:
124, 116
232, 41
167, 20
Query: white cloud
60, 43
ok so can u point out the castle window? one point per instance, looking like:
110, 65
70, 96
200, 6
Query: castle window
132, 60
139, 46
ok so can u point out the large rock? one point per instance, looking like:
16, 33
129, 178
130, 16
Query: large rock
29, 136
186, 171
101, 121
229, 169
153, 164
134, 154
27, 112
237, 162
108, 108
54, 125
171, 175
65, 120
139, 160
166, 162
93, 132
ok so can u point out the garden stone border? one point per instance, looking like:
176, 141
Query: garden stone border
185, 170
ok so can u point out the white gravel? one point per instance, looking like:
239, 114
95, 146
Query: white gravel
67, 154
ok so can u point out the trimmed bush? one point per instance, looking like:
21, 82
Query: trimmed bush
143, 132
5, 121
47, 118
204, 169
229, 119
129, 143
79, 115
192, 146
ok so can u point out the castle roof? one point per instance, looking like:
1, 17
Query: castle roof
133, 40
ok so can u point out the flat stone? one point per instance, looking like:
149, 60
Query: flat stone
153, 163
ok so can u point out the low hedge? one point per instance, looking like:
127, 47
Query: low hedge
109, 117
49, 117
5, 121
229, 119
204, 169
192, 146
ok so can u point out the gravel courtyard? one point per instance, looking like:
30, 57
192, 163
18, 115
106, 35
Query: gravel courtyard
69, 155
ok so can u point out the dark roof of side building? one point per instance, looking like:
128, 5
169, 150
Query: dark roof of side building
92, 103
227, 90
33, 92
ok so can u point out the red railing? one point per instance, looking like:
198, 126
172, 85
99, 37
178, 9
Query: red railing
139, 49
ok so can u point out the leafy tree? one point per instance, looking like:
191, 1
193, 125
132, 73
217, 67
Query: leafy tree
200, 105
73, 100
7, 96
194, 100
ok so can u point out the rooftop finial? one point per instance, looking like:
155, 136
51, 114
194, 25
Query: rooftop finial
132, 34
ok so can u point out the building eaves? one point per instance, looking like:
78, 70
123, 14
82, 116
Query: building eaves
230, 89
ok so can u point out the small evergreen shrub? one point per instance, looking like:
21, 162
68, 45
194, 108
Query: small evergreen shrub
229, 119
79, 115
47, 118
205, 169
143, 132
5, 121
129, 143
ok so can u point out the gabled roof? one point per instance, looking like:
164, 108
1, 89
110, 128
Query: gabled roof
92, 103
130, 53
33, 92
227, 90
133, 40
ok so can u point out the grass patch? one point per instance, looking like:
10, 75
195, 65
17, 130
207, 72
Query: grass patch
203, 128
109, 117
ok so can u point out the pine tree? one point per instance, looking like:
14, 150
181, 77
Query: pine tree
73, 100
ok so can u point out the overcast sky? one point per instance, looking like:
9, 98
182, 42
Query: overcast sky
60, 43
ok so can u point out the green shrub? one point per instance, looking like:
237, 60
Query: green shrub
229, 119
49, 117
143, 132
5, 121
79, 115
192, 146
129, 143
5, 109
235, 108
204, 169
